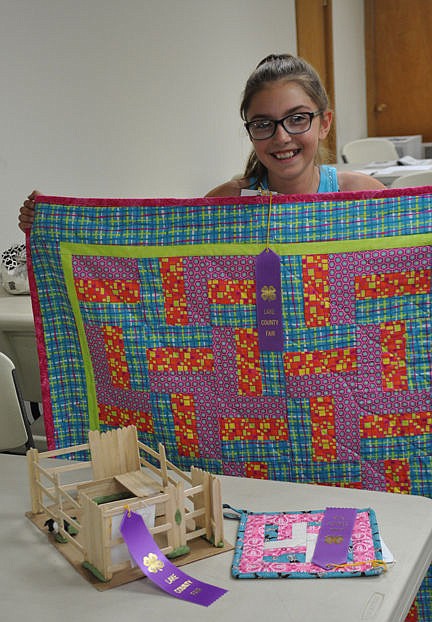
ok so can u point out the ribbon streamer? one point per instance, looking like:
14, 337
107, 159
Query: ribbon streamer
334, 537
159, 569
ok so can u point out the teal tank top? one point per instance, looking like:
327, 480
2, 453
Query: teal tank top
328, 180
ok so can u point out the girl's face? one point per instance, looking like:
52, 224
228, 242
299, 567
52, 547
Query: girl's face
287, 157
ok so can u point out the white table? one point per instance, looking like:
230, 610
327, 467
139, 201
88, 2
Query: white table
38, 584
386, 173
18, 341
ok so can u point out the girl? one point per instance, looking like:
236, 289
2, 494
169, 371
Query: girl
286, 114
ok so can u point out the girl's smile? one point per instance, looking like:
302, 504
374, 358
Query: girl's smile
286, 155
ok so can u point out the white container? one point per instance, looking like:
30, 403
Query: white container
408, 145
427, 150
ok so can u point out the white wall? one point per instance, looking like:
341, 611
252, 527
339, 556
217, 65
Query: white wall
350, 71
127, 97
140, 97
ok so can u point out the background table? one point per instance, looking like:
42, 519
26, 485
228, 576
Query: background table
39, 584
386, 174
18, 342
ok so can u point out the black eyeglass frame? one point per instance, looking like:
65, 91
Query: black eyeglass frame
277, 122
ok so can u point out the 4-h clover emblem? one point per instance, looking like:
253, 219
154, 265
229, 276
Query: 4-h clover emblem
268, 292
333, 539
153, 563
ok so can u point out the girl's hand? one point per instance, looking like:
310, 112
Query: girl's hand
26, 213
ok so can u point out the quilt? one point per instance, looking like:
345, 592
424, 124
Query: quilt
283, 545
146, 313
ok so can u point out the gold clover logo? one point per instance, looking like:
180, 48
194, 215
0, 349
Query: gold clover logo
268, 292
152, 562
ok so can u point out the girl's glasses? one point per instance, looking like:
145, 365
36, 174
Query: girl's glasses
297, 123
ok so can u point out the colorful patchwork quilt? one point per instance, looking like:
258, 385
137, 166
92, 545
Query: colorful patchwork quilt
146, 313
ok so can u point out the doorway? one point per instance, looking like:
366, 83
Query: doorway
315, 44
398, 67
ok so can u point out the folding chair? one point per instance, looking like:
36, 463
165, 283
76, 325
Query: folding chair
15, 432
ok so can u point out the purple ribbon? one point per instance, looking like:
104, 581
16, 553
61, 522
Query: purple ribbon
334, 537
269, 301
159, 569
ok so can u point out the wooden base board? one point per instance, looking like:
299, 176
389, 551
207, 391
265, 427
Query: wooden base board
199, 549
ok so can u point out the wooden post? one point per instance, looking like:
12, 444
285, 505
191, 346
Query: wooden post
180, 517
202, 500
163, 464
216, 510
58, 505
34, 481
94, 534
175, 514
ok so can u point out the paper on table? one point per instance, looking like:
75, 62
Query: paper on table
394, 170
391, 170
391, 167
386, 553
410, 161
